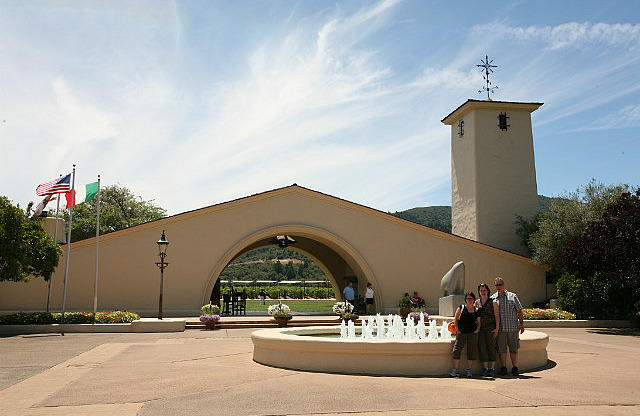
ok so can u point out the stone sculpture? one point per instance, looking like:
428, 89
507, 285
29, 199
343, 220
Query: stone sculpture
453, 282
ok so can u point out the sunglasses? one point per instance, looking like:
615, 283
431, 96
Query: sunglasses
499, 284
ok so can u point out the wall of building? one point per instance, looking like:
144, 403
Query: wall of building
493, 172
397, 256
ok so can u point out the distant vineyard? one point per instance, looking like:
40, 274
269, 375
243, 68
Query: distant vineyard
285, 291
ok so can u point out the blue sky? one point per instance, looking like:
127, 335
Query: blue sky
193, 103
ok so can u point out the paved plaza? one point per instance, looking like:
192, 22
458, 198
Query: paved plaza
590, 371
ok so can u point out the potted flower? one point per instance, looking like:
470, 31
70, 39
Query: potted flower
281, 313
350, 316
345, 310
404, 306
210, 315
415, 315
210, 321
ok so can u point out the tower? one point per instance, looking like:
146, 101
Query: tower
492, 170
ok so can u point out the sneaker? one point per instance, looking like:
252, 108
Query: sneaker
469, 375
485, 372
514, 371
503, 371
454, 373
492, 372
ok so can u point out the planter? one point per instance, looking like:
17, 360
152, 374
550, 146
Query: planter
282, 321
210, 325
403, 311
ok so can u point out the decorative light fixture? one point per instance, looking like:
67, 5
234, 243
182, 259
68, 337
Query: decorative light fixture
283, 241
162, 251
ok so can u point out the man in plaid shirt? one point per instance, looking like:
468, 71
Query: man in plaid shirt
511, 326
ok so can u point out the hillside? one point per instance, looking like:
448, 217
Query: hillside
439, 217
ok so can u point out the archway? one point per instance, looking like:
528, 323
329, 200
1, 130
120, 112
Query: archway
336, 257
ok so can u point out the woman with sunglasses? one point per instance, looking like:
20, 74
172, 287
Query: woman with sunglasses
467, 321
490, 324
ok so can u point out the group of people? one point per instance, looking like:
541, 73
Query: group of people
350, 295
488, 326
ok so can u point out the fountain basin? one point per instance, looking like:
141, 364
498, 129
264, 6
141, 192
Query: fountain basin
300, 348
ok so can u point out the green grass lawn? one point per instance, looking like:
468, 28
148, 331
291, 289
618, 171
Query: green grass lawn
295, 305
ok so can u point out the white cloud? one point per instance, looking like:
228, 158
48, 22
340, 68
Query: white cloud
627, 117
571, 35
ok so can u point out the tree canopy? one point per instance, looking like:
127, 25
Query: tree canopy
119, 209
25, 247
549, 233
603, 263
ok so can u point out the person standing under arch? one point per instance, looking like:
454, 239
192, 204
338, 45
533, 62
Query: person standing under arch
368, 298
349, 294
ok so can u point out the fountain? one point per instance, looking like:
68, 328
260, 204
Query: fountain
382, 348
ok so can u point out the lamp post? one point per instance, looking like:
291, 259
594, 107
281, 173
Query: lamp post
162, 251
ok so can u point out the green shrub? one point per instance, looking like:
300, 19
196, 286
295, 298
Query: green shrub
594, 297
116, 317
78, 318
210, 310
537, 313
40, 318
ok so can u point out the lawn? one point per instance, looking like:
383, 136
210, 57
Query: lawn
295, 305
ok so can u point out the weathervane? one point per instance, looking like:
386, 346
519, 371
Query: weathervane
486, 66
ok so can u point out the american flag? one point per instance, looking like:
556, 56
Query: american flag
56, 186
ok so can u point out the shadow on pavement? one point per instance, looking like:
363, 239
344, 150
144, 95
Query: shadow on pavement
630, 332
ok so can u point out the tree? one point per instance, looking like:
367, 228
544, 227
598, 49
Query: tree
25, 247
603, 263
277, 267
289, 271
119, 209
565, 219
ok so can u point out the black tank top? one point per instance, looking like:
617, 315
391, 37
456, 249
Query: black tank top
467, 323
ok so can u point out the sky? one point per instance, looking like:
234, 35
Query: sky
199, 102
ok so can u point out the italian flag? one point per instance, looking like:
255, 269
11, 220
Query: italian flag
82, 195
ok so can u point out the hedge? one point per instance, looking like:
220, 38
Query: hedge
43, 318
285, 291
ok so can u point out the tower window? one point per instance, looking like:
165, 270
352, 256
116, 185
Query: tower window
461, 127
502, 121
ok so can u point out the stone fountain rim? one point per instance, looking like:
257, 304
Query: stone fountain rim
293, 335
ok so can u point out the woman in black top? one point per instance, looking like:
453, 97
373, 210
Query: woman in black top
490, 318
467, 322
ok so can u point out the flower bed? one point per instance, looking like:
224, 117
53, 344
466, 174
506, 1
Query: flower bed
538, 314
44, 318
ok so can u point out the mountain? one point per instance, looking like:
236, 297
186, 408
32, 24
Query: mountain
439, 217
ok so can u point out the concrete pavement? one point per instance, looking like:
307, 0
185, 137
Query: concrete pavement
590, 371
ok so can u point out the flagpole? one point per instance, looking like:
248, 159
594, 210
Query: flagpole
66, 266
55, 240
95, 287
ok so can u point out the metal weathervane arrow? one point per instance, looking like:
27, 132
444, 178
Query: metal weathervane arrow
486, 66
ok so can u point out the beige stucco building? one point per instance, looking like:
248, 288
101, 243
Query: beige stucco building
493, 171
350, 242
